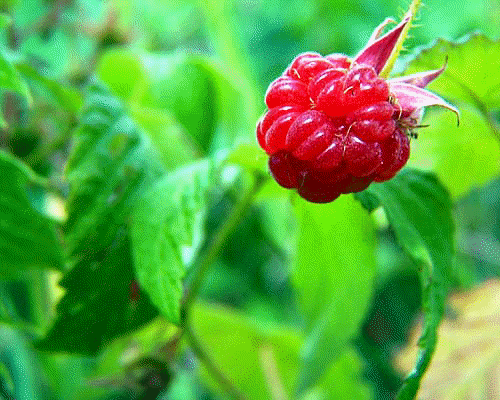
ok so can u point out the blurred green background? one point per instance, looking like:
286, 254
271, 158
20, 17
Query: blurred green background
193, 75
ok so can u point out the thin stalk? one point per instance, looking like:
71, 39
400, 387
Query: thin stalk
220, 238
210, 365
206, 262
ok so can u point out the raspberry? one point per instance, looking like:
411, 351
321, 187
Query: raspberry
334, 125
330, 128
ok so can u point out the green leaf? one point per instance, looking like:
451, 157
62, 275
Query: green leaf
268, 357
419, 210
66, 97
224, 333
449, 150
471, 75
250, 157
333, 275
10, 80
167, 134
471, 82
111, 166
5, 21
134, 86
28, 238
167, 230
203, 96
343, 380
100, 303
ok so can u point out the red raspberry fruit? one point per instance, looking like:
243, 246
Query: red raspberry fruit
334, 125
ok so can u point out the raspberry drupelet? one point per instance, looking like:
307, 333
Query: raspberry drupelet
334, 125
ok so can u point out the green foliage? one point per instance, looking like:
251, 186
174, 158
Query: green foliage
225, 334
11, 81
110, 167
167, 230
194, 94
343, 380
272, 357
148, 205
420, 212
335, 253
66, 97
28, 237
471, 82
5, 21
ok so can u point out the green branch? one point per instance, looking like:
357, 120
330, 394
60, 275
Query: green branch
237, 213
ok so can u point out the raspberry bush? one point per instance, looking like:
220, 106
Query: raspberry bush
143, 226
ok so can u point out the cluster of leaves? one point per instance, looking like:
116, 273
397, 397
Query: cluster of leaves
135, 185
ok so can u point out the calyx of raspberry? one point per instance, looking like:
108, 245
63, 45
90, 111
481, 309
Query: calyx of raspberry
335, 124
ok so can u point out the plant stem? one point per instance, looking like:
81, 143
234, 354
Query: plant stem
212, 368
220, 238
207, 260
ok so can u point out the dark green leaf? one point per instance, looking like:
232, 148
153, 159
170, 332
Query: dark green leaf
28, 238
112, 164
333, 275
419, 211
166, 231
102, 301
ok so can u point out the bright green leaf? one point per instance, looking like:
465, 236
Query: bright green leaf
249, 156
268, 357
28, 238
248, 353
471, 75
471, 82
10, 79
449, 150
168, 136
166, 231
135, 87
202, 95
5, 21
67, 97
419, 210
132, 74
343, 380
333, 275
